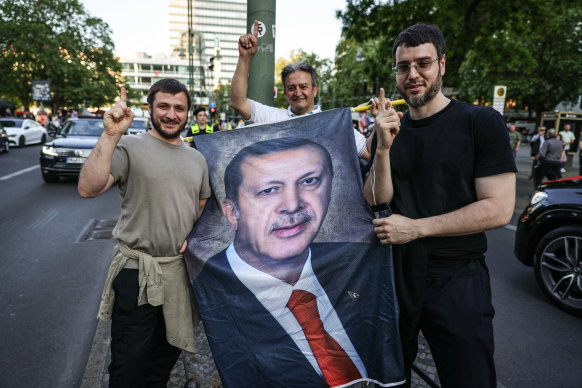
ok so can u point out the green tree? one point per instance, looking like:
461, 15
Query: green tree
537, 54
361, 69
57, 40
222, 99
532, 46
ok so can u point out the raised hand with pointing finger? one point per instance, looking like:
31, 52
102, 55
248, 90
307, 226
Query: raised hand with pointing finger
118, 119
247, 44
387, 124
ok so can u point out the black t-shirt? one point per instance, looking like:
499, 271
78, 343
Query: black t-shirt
434, 163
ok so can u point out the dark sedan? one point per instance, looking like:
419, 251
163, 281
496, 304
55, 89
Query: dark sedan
66, 153
549, 238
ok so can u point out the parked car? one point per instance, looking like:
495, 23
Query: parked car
66, 153
22, 132
4, 141
549, 238
139, 125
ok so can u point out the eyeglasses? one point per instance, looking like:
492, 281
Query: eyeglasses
421, 67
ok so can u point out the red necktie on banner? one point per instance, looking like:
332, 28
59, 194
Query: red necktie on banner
335, 364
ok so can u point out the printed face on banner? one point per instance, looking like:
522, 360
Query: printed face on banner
289, 279
282, 199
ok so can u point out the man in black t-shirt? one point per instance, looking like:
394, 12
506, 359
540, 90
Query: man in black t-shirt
447, 170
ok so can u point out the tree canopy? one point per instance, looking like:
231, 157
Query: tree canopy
57, 40
532, 46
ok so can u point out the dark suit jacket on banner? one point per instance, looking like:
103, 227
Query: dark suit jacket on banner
249, 346
255, 351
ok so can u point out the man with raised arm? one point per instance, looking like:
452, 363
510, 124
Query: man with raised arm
449, 174
299, 84
147, 293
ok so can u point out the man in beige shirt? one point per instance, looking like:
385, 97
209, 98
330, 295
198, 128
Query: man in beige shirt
147, 293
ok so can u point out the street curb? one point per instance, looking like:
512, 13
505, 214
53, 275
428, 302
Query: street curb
93, 375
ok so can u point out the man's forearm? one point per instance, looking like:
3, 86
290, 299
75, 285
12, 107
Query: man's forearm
239, 87
94, 176
477, 217
378, 186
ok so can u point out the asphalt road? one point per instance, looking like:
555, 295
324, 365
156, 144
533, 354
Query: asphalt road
51, 283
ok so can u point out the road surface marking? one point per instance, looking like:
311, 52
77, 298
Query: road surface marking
6, 177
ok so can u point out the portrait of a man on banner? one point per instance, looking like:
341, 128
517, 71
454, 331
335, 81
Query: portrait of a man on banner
291, 284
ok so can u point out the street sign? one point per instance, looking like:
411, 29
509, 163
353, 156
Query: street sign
41, 90
212, 104
499, 92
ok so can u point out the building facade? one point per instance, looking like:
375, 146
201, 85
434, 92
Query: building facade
143, 70
217, 26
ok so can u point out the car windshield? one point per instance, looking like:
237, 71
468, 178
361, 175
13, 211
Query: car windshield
11, 123
138, 124
83, 128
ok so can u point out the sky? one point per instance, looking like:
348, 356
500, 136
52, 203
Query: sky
142, 25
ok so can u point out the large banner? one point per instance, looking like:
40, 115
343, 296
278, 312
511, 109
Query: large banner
292, 286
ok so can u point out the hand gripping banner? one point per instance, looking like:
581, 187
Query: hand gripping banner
293, 288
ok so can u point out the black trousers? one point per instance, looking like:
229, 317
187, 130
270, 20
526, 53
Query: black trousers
548, 169
457, 322
140, 354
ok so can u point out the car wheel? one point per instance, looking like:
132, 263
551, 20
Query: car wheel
558, 267
43, 139
50, 178
21, 141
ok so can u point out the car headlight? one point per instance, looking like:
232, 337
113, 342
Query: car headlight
48, 150
537, 197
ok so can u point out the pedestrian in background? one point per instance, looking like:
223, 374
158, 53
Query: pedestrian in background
515, 139
536, 142
448, 173
550, 158
147, 294
201, 127
568, 138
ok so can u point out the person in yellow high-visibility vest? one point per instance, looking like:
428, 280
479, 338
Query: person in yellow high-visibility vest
201, 127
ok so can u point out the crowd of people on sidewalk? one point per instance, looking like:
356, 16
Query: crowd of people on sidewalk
442, 202
550, 153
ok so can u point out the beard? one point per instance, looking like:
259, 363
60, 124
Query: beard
416, 101
157, 124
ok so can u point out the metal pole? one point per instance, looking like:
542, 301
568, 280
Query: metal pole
262, 74
190, 57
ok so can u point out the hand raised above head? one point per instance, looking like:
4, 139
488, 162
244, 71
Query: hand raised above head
118, 119
248, 44
387, 123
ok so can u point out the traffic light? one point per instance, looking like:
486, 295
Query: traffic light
211, 66
212, 112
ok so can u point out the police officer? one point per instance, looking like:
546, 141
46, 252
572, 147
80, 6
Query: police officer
201, 127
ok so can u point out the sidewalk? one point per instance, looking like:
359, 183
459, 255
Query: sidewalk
199, 369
